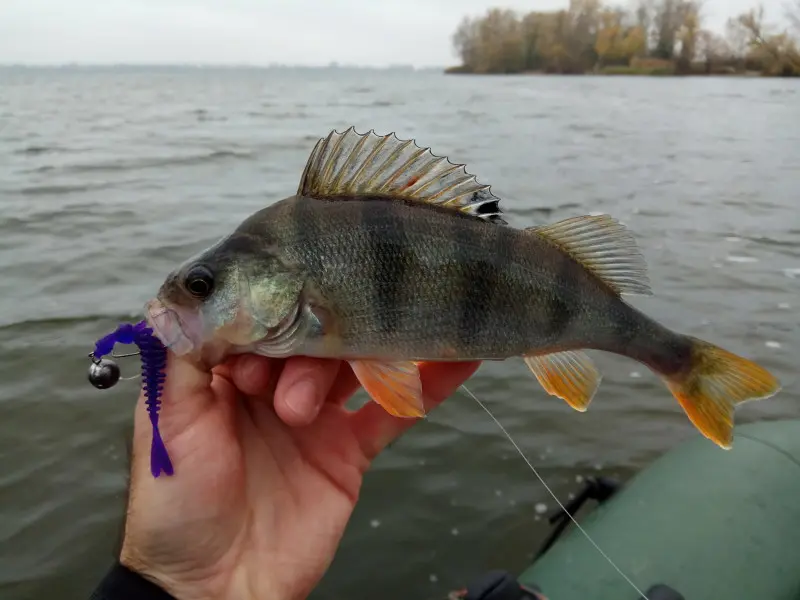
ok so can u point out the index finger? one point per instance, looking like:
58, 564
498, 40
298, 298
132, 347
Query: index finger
252, 374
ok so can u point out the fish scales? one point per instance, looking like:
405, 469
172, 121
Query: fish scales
411, 281
388, 255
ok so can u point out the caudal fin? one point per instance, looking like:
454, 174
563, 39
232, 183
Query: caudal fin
717, 382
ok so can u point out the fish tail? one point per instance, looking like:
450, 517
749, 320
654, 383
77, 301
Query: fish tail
708, 381
713, 383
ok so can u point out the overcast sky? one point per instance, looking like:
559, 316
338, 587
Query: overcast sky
367, 32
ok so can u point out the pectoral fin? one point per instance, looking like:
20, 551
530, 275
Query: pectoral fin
570, 375
394, 385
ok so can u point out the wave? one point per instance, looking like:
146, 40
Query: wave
286, 115
56, 189
768, 241
37, 150
76, 213
156, 162
51, 323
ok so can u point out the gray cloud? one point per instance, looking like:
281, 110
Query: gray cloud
368, 32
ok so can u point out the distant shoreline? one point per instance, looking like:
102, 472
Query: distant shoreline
659, 38
623, 71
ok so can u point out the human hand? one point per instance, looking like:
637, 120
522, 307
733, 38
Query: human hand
268, 468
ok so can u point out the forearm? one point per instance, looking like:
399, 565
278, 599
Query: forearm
120, 583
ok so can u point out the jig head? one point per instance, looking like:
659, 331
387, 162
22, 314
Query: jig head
105, 373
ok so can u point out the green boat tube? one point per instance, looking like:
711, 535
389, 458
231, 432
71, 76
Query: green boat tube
708, 524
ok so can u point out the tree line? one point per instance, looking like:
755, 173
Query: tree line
648, 37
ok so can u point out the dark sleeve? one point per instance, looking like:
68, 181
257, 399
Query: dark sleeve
120, 583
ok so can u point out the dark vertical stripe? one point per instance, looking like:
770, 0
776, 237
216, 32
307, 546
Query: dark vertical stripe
559, 303
625, 327
561, 307
390, 261
477, 282
306, 226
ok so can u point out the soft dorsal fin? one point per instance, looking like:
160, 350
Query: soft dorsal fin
604, 246
355, 165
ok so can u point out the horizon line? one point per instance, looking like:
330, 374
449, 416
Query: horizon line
204, 65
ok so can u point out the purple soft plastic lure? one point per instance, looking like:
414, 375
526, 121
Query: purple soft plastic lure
154, 361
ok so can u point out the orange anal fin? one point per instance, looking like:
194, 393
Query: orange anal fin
396, 386
570, 375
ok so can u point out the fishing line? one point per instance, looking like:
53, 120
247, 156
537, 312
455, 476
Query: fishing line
547, 487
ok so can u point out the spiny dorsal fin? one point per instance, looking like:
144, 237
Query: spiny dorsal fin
604, 246
355, 165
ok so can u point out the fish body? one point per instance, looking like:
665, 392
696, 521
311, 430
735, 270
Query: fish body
406, 282
388, 256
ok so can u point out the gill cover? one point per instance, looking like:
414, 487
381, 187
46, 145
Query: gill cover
270, 296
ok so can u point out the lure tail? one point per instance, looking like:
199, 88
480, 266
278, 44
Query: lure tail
154, 362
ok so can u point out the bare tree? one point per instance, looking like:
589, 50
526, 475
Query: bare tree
688, 19
793, 14
466, 42
644, 13
777, 51
715, 51
737, 38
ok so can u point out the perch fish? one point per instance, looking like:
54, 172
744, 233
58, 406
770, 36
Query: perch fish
388, 255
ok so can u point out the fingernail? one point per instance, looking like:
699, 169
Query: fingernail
302, 399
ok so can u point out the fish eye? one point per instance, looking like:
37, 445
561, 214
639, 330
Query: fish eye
200, 281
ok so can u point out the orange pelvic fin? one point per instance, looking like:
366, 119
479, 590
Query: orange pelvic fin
396, 386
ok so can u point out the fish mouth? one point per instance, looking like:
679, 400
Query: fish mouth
167, 327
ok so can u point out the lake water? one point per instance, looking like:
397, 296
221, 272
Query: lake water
108, 178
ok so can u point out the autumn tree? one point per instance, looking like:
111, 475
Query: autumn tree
466, 42
688, 19
491, 44
775, 53
665, 25
501, 33
549, 42
715, 52
584, 22
539, 36
588, 36
616, 41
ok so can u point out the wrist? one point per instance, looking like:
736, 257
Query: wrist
191, 584
122, 583
178, 585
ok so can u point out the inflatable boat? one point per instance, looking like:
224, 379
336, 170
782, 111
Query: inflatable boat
699, 523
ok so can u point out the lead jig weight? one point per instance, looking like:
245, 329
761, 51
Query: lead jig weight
104, 373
